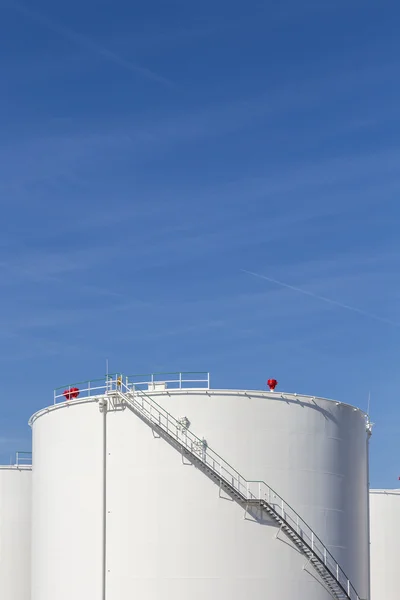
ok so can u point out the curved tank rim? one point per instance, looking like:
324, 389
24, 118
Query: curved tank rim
388, 491
209, 392
15, 467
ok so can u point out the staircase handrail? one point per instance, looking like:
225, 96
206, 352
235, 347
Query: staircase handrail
201, 451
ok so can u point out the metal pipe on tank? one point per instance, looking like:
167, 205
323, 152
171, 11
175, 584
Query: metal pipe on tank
369, 521
103, 410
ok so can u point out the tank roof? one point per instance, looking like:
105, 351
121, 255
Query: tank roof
168, 383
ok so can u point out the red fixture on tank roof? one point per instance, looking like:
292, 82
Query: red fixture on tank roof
71, 393
272, 383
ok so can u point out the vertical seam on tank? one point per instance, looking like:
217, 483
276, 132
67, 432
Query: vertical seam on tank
369, 525
104, 508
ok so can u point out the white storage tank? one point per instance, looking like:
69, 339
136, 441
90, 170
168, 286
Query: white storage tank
119, 512
15, 532
385, 544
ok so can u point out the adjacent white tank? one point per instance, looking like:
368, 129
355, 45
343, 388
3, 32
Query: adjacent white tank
168, 533
385, 544
15, 532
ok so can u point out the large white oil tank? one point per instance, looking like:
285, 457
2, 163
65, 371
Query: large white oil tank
120, 512
15, 532
385, 544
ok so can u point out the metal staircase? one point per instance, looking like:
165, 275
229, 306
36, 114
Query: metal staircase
250, 494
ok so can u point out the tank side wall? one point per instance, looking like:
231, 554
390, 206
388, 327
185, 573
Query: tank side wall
385, 544
169, 532
176, 538
67, 504
312, 452
15, 534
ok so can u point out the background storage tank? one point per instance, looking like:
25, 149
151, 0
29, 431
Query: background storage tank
15, 532
115, 504
385, 543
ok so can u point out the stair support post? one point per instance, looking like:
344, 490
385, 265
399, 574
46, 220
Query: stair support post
307, 563
278, 532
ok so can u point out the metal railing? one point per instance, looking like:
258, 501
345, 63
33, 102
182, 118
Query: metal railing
87, 389
150, 381
23, 458
247, 489
178, 380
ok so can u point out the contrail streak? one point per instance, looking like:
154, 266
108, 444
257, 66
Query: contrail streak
323, 298
85, 42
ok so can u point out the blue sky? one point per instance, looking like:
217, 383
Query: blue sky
150, 153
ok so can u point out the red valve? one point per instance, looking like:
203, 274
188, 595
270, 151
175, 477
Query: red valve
71, 393
272, 383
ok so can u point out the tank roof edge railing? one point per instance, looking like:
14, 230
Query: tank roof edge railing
181, 378
101, 386
242, 486
23, 458
69, 385
92, 388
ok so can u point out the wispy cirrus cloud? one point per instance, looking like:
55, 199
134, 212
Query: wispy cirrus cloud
86, 43
70, 156
330, 301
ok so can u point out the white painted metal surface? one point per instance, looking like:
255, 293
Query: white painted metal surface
168, 533
385, 544
15, 532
